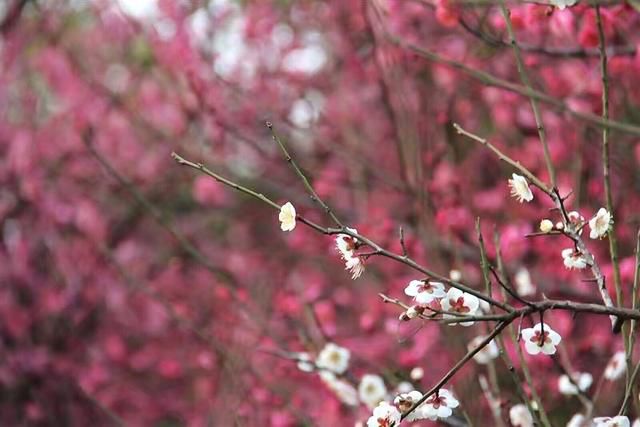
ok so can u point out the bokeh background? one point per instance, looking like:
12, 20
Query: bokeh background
135, 291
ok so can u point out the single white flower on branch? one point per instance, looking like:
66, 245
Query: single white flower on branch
460, 302
520, 188
384, 415
616, 367
371, 390
520, 416
333, 358
287, 217
540, 340
424, 291
600, 224
568, 387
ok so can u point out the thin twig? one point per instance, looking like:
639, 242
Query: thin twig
524, 77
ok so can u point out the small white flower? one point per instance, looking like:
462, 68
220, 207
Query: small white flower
582, 380
355, 265
384, 415
546, 225
485, 307
455, 275
618, 421
416, 373
616, 367
600, 224
333, 358
562, 4
559, 225
573, 258
440, 405
520, 188
636, 423
287, 217
405, 401
371, 390
305, 363
488, 352
536, 342
524, 287
460, 302
578, 420
520, 416
424, 291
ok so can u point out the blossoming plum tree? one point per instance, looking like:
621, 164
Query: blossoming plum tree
136, 293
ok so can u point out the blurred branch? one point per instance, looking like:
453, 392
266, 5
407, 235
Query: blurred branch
524, 77
12, 16
577, 52
491, 80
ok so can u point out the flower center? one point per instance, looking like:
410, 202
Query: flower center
437, 401
458, 305
540, 339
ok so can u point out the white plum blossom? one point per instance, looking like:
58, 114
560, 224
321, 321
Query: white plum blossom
578, 420
568, 387
487, 353
347, 246
520, 416
600, 224
371, 390
616, 367
636, 423
619, 421
424, 291
305, 363
440, 405
457, 301
287, 217
405, 401
384, 415
573, 258
520, 188
333, 358
524, 286
546, 225
540, 340
562, 4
